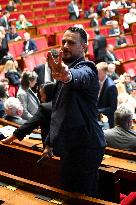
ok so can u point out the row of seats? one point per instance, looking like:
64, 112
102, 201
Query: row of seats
16, 48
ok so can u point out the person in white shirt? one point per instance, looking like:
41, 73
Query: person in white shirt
129, 18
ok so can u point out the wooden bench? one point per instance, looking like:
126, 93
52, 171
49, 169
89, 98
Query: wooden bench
14, 158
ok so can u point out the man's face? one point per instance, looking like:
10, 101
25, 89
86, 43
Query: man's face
72, 47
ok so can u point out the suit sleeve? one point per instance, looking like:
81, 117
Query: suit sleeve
29, 126
112, 102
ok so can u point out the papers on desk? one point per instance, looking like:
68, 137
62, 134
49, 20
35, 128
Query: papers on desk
7, 130
35, 136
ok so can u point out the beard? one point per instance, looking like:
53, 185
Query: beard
68, 58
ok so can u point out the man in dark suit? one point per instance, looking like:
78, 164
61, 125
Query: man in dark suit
99, 46
107, 100
75, 134
121, 136
110, 56
29, 44
73, 10
44, 71
12, 34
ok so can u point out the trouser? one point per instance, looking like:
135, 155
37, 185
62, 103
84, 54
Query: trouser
79, 171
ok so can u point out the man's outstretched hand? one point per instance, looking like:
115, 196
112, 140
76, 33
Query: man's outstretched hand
60, 71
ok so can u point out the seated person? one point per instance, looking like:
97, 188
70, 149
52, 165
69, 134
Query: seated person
11, 6
110, 56
94, 20
121, 40
13, 110
29, 44
106, 19
112, 72
22, 22
41, 118
12, 34
121, 136
129, 18
115, 30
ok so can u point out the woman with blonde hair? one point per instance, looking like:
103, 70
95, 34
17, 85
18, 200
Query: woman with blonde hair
22, 22
13, 76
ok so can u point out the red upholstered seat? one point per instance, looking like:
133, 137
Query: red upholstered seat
111, 40
41, 43
129, 39
130, 67
130, 199
129, 53
29, 62
12, 50
39, 57
18, 47
120, 54
44, 31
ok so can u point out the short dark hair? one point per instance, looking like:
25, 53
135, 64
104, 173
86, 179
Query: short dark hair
48, 89
97, 31
81, 31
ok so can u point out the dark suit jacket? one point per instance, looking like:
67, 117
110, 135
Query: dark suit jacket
71, 11
121, 139
32, 45
74, 125
18, 120
4, 23
3, 49
99, 47
108, 57
40, 70
120, 41
10, 36
107, 101
41, 118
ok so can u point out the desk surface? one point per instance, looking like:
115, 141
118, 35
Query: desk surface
120, 163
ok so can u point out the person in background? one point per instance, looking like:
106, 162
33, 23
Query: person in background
4, 20
110, 56
115, 30
76, 138
13, 76
41, 118
12, 35
73, 10
22, 22
29, 44
99, 46
121, 40
44, 71
26, 96
112, 72
3, 48
122, 136
107, 99
106, 19
10, 7
2, 99
52, 3
5, 83
13, 110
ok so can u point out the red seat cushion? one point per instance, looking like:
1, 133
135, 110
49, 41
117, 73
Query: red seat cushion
130, 199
